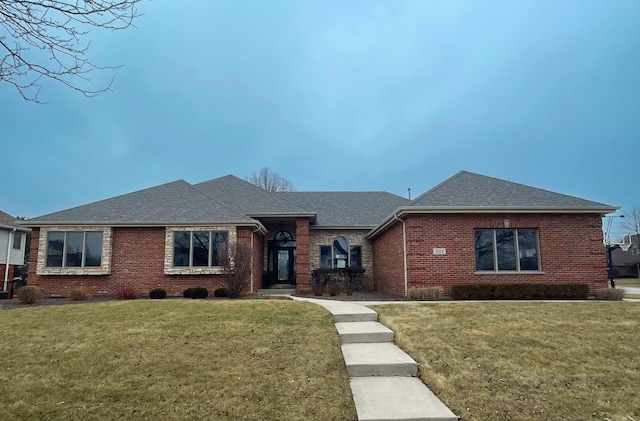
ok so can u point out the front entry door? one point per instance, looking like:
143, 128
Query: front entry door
282, 259
285, 270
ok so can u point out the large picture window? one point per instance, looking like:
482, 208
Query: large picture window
340, 255
507, 250
199, 248
74, 249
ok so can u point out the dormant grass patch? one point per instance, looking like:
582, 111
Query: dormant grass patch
526, 361
175, 360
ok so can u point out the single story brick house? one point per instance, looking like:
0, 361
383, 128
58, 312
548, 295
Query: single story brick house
470, 228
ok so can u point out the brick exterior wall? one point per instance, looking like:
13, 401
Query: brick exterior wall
137, 261
3, 267
303, 272
570, 251
570, 245
388, 264
258, 260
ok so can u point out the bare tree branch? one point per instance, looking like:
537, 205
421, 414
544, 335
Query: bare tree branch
44, 39
269, 180
631, 221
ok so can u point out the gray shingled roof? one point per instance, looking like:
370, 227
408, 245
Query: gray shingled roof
231, 200
468, 190
249, 198
173, 203
8, 221
347, 209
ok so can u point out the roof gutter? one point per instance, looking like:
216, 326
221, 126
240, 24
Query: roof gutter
36, 224
9, 227
406, 210
312, 216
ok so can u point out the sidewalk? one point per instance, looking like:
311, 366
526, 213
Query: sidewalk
383, 378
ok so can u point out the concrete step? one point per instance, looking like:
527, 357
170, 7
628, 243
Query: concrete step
345, 312
377, 359
397, 398
277, 291
363, 332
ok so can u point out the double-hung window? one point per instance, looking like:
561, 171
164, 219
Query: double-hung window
514, 250
340, 255
199, 248
74, 249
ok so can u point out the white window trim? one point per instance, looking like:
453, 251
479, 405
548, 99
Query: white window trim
103, 269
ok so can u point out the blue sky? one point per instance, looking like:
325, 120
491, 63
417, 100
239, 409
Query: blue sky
334, 95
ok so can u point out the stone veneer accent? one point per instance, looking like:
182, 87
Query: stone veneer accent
104, 269
325, 237
169, 269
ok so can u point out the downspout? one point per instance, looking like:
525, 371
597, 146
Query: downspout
6, 266
404, 252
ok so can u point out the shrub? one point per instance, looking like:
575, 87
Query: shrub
610, 294
126, 293
157, 294
304, 291
221, 293
523, 291
199, 292
424, 294
79, 294
237, 264
28, 294
381, 285
349, 278
333, 288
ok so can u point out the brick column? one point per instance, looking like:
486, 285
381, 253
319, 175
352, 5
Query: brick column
303, 274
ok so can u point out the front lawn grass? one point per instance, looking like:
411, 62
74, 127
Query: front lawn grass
628, 282
526, 361
173, 359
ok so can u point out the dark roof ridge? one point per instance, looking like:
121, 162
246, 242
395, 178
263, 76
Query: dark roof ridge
441, 184
255, 189
339, 191
218, 201
499, 180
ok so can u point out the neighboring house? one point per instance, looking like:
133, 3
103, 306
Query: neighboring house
13, 240
626, 264
470, 228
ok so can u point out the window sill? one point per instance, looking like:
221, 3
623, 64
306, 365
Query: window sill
509, 272
217, 270
75, 271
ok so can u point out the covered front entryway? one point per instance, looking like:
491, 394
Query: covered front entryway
281, 261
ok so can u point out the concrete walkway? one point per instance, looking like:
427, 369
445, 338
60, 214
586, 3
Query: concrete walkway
382, 376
